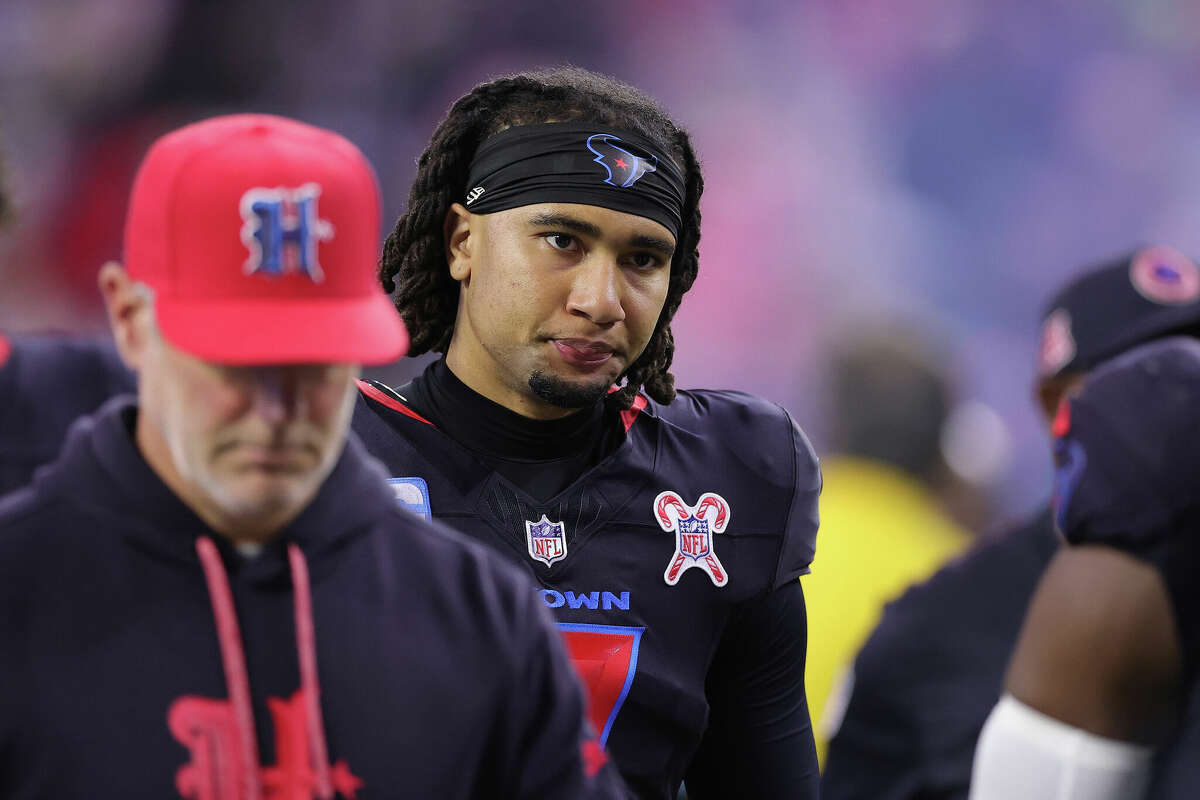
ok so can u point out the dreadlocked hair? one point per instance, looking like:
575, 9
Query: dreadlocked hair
413, 267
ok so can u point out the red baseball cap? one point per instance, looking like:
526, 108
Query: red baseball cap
259, 236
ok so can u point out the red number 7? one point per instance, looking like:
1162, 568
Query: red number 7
605, 657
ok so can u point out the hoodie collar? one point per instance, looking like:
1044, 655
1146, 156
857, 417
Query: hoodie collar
102, 469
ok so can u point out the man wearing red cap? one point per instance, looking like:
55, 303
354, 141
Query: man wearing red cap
213, 593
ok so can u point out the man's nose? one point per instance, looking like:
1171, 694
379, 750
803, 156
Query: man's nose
596, 291
277, 395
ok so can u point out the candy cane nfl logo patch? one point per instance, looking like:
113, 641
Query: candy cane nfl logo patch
547, 540
694, 528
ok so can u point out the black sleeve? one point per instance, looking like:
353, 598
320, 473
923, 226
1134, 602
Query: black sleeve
876, 753
759, 741
799, 545
932, 670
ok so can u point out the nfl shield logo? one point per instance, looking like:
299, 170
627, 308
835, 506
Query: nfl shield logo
693, 537
547, 540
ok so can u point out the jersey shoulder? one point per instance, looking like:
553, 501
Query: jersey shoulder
712, 411
754, 449
46, 382
75, 366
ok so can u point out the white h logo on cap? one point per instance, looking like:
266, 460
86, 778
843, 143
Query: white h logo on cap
275, 218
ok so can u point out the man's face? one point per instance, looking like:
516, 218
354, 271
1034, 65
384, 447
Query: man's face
246, 447
557, 300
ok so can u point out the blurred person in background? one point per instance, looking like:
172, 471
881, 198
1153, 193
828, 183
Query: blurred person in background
883, 524
86, 86
212, 592
46, 381
930, 673
1109, 649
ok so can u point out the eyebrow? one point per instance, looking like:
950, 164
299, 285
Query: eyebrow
659, 245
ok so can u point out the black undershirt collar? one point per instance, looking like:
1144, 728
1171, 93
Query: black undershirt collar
542, 457
489, 428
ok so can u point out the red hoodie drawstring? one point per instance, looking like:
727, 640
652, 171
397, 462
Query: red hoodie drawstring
233, 658
237, 681
306, 651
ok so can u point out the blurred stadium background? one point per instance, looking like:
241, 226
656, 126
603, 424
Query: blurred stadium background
940, 165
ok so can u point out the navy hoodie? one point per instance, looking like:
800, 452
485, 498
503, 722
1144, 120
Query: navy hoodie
362, 654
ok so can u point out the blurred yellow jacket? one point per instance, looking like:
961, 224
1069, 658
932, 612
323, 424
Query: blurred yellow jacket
881, 530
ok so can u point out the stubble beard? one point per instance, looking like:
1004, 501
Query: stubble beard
562, 393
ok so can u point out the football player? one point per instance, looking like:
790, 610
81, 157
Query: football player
1109, 648
550, 236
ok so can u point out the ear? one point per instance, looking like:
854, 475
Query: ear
456, 232
130, 315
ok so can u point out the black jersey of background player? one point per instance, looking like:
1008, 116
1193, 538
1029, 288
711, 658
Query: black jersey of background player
666, 564
438, 673
46, 381
933, 669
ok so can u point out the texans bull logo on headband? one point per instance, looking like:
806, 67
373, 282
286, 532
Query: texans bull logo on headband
572, 162
275, 218
624, 168
694, 528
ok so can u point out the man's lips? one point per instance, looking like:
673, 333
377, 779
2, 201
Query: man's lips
583, 352
270, 456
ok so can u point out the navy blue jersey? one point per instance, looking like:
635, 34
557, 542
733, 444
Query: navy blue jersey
363, 653
1126, 458
1176, 768
930, 673
46, 382
671, 567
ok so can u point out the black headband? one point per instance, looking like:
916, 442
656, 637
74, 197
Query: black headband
573, 162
